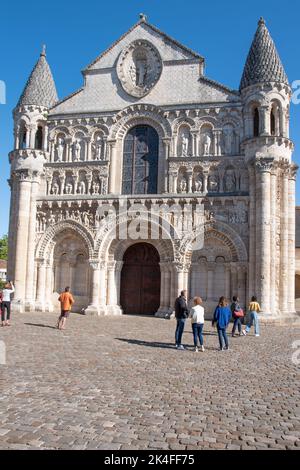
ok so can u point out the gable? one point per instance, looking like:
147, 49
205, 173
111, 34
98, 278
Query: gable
168, 48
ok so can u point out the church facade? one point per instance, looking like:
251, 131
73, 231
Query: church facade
153, 178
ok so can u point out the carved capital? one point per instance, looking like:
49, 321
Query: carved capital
263, 165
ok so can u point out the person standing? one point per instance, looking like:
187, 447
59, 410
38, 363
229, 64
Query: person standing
237, 314
66, 301
254, 309
6, 293
181, 314
197, 316
222, 317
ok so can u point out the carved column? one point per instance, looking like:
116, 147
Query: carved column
291, 241
45, 139
190, 181
164, 169
93, 308
205, 180
273, 248
284, 240
41, 285
21, 244
112, 167
113, 273
252, 229
227, 282
264, 115
234, 279
263, 231
29, 297
210, 280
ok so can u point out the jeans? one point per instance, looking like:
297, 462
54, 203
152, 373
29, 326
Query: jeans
222, 337
197, 332
237, 323
179, 330
253, 319
5, 306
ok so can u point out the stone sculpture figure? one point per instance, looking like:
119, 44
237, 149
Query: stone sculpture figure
198, 185
60, 146
77, 150
141, 70
206, 144
183, 185
213, 184
95, 187
229, 182
228, 138
98, 148
81, 188
55, 188
69, 188
184, 144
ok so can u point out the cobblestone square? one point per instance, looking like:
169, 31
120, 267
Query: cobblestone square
119, 383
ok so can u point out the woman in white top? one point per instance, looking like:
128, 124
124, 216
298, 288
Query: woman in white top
7, 291
197, 317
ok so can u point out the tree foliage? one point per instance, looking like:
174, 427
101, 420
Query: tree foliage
3, 247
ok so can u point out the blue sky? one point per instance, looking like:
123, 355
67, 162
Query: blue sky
76, 33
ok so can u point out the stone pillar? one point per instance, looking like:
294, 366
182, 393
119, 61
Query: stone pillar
284, 235
205, 179
263, 232
273, 247
48, 288
30, 262
93, 308
21, 244
264, 118
252, 230
291, 239
45, 139
112, 296
234, 279
41, 286
217, 151
164, 169
241, 287
112, 167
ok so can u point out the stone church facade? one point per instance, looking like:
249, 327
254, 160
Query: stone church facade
149, 129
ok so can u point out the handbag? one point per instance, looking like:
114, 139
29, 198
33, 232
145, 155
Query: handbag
238, 313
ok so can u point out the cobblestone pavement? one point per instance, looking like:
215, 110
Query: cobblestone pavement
119, 383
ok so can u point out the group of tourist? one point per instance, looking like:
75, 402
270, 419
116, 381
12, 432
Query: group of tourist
222, 316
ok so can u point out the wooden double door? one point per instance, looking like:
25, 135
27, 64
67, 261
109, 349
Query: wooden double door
140, 280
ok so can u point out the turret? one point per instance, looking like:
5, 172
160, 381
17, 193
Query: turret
27, 165
264, 89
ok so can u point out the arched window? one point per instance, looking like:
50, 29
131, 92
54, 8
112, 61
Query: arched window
39, 138
272, 123
140, 161
255, 123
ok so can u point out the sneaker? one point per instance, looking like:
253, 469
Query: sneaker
176, 346
221, 349
181, 347
240, 334
256, 335
244, 332
196, 349
226, 348
202, 348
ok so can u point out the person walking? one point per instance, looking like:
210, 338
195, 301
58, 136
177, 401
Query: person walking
66, 301
181, 314
237, 314
222, 317
197, 317
254, 309
6, 293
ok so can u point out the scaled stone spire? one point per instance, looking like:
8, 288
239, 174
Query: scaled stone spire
263, 63
40, 88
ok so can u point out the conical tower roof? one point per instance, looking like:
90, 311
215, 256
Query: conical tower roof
263, 63
40, 88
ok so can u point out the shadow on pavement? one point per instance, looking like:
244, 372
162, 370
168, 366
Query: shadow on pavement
41, 325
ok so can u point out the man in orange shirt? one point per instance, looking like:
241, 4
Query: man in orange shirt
66, 301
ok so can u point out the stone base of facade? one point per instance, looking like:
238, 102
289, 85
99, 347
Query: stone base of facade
288, 318
113, 310
17, 306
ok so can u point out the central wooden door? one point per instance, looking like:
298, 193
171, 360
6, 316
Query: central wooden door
140, 280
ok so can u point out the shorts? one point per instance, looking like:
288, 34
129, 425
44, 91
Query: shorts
65, 313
